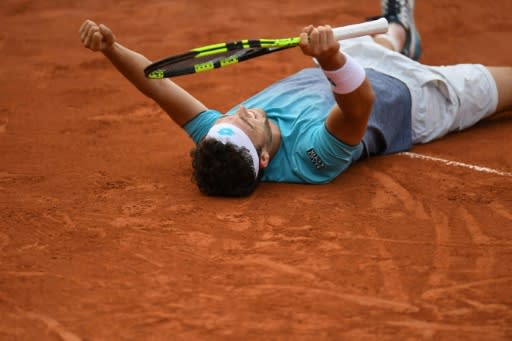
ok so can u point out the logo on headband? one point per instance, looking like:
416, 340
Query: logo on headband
226, 132
229, 133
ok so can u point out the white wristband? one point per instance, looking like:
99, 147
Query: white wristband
347, 78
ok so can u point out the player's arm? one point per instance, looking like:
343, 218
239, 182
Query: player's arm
176, 102
349, 118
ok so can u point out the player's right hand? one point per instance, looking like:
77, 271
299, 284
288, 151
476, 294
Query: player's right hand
96, 37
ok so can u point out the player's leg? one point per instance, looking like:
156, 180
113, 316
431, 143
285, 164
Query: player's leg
503, 78
393, 39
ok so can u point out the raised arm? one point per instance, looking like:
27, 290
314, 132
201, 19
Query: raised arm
176, 102
349, 118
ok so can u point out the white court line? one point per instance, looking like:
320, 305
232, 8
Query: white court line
456, 164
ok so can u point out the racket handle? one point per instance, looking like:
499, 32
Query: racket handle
362, 29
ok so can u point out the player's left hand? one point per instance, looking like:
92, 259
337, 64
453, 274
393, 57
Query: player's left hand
319, 42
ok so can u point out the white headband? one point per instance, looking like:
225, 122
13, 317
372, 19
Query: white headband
226, 132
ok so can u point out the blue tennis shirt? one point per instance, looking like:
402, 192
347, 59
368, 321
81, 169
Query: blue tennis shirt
299, 106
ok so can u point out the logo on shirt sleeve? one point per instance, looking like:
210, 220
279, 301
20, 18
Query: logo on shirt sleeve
315, 159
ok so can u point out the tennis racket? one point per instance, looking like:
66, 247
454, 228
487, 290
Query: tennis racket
224, 54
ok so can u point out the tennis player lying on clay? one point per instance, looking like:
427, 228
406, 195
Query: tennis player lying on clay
369, 97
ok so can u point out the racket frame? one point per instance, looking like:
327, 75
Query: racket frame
254, 48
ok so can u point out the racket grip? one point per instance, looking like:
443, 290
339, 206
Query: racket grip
362, 29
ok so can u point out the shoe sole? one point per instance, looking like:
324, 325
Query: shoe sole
415, 39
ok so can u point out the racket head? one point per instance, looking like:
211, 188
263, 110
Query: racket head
216, 56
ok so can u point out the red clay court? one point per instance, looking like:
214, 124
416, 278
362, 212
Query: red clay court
103, 236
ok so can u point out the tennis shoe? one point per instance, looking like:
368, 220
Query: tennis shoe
402, 12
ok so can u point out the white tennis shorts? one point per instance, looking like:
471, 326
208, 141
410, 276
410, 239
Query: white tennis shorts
444, 99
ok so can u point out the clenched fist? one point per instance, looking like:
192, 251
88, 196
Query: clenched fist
96, 37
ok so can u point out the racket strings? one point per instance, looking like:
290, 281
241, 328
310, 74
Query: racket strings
210, 61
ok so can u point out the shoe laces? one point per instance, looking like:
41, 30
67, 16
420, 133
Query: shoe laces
396, 9
393, 7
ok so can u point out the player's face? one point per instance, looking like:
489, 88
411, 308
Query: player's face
254, 123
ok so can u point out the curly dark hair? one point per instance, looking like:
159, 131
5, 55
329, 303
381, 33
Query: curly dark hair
223, 169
